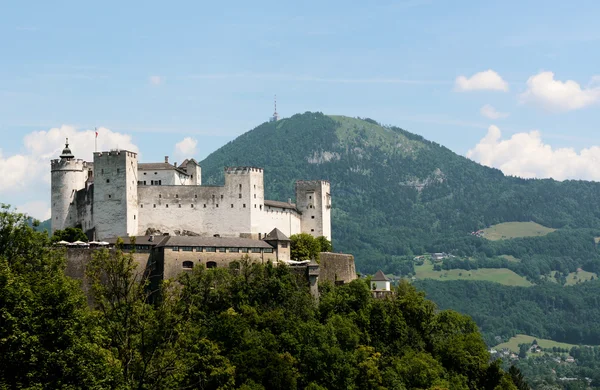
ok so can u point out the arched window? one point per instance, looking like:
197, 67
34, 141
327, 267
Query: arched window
188, 264
211, 264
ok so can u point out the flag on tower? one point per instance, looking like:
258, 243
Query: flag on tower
96, 130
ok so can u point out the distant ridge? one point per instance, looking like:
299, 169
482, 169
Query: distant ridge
395, 193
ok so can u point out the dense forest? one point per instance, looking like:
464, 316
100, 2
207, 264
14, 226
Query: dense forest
568, 314
250, 326
396, 194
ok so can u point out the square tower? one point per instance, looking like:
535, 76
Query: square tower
245, 188
313, 200
115, 194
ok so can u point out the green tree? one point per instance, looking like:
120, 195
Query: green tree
155, 344
69, 234
47, 336
303, 246
324, 244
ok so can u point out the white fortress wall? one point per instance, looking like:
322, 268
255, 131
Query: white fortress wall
286, 220
203, 210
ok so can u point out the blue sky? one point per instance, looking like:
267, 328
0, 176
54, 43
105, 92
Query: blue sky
163, 71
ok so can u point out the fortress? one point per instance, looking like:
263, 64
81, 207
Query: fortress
115, 196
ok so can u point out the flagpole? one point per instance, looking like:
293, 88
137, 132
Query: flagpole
96, 140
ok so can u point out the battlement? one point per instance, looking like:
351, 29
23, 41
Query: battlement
116, 152
242, 170
68, 165
312, 183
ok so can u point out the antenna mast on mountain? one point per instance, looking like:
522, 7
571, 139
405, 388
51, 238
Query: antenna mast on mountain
275, 116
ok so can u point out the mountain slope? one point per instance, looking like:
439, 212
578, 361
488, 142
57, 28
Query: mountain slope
395, 193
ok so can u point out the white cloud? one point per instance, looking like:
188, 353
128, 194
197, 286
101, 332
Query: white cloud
486, 80
186, 148
526, 155
26, 176
38, 209
555, 95
490, 112
156, 80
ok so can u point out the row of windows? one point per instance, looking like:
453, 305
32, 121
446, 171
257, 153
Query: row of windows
159, 182
192, 205
220, 249
190, 264
137, 247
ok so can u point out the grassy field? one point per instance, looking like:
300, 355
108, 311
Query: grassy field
513, 343
498, 275
511, 258
508, 230
574, 277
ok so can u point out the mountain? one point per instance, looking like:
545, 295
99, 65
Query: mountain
396, 194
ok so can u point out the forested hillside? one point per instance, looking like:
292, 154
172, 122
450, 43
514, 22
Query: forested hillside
568, 314
249, 326
395, 193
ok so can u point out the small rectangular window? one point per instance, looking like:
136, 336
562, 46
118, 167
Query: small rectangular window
254, 196
221, 250
177, 195
109, 196
167, 205
144, 173
180, 205
268, 250
217, 205
210, 249
154, 206
108, 180
205, 205
159, 195
175, 249
284, 244
255, 250
312, 230
195, 196
221, 196
243, 250
244, 205
192, 205
141, 206
187, 248
118, 170
240, 196
312, 217
232, 205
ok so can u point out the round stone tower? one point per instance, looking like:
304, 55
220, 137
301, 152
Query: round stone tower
67, 177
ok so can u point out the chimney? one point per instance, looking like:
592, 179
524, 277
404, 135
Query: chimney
151, 239
167, 159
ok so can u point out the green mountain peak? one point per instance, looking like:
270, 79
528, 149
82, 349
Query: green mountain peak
395, 193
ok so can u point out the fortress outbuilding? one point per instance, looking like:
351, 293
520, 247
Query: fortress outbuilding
116, 196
